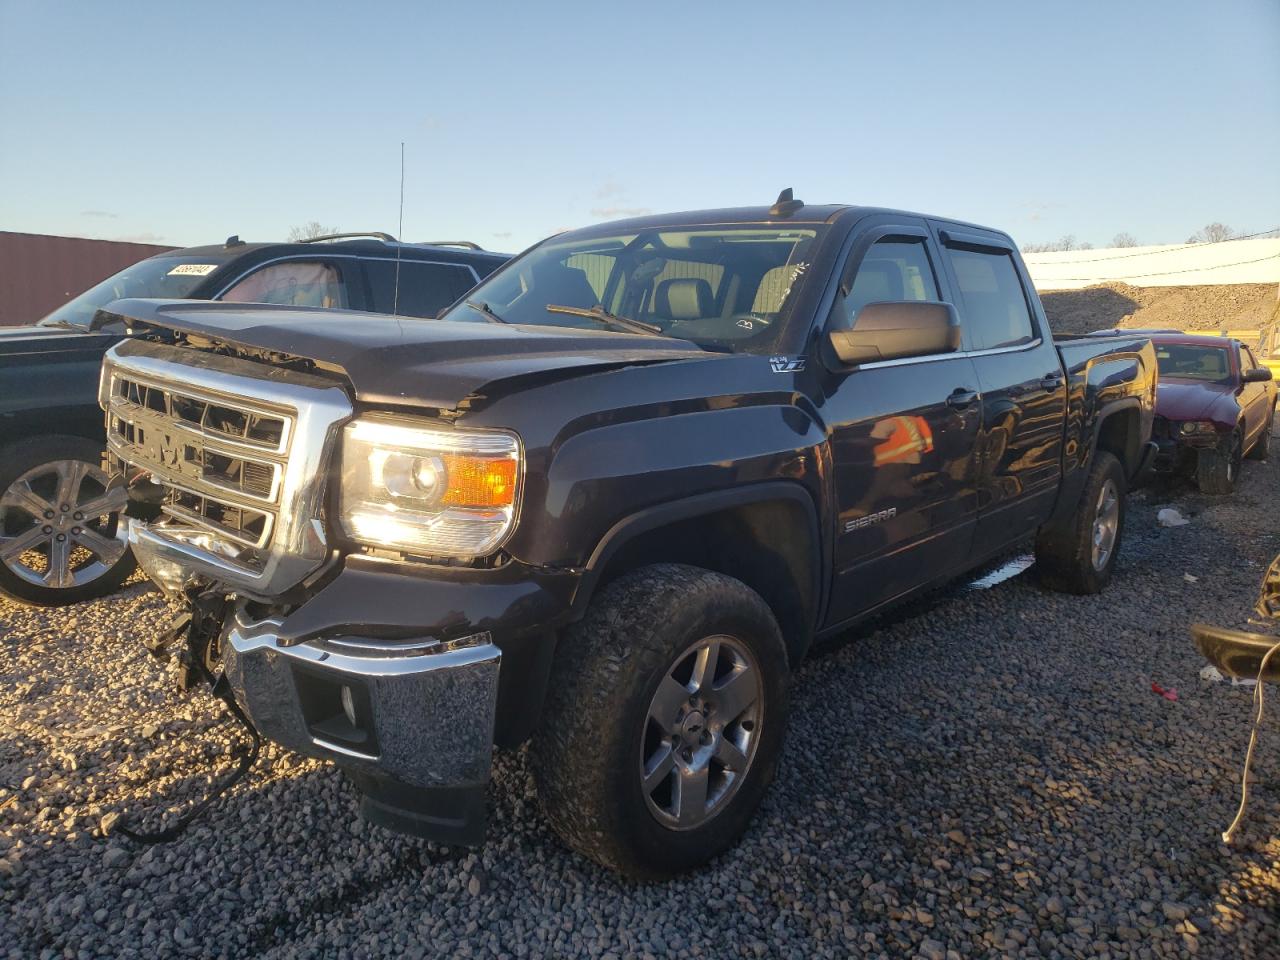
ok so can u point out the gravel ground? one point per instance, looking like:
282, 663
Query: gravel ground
1208, 307
987, 774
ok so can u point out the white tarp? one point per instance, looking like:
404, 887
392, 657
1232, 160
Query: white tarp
1172, 265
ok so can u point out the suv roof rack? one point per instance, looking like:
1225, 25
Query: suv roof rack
384, 237
451, 243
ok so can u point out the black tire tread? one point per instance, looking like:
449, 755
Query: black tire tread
597, 679
1211, 469
1064, 549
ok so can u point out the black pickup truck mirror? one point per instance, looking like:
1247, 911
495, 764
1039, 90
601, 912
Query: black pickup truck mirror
893, 331
1256, 375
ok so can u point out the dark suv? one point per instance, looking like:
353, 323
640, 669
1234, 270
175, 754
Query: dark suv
58, 522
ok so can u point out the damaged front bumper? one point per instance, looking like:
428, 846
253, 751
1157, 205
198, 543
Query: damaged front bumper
411, 723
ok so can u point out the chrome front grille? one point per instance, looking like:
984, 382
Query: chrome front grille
221, 462
240, 449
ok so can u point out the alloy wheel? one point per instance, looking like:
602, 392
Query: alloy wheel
58, 524
1106, 524
701, 732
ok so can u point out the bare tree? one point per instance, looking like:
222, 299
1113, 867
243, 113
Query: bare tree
1069, 242
1124, 240
1212, 233
309, 231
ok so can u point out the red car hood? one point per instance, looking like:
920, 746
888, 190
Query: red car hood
1190, 399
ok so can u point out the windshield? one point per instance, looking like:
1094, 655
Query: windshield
1192, 362
724, 288
168, 277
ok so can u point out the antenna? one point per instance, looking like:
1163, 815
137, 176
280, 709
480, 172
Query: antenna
395, 297
785, 205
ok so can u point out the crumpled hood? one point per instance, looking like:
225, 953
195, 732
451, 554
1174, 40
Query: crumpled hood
398, 360
1190, 399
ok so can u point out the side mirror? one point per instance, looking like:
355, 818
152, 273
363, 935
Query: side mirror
897, 330
1256, 375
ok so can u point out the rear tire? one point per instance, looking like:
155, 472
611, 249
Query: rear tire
644, 724
1078, 553
38, 477
1217, 470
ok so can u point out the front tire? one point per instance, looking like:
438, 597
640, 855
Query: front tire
1078, 553
58, 523
1217, 470
1261, 446
664, 720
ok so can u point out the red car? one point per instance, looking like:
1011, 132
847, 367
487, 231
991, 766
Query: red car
1215, 404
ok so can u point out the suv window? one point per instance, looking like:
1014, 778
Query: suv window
425, 288
995, 305
892, 270
1250, 360
298, 283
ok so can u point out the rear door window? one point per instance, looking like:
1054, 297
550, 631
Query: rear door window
298, 283
425, 288
994, 304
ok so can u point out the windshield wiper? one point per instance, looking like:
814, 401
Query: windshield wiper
490, 314
601, 315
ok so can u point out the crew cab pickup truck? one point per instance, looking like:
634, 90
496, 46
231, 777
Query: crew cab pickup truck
609, 500
58, 523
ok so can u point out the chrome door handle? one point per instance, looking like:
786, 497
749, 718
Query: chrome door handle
961, 398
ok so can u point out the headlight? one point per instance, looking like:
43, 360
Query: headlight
411, 485
1196, 426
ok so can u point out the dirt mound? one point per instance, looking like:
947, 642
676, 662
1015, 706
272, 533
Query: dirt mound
1244, 306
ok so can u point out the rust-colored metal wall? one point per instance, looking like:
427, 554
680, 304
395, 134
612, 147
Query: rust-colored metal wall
39, 272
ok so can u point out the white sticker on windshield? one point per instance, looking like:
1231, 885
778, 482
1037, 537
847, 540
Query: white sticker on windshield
192, 270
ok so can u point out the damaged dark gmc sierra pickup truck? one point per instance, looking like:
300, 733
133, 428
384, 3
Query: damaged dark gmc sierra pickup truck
609, 501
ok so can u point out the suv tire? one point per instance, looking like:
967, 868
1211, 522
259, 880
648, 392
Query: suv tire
1078, 553
35, 566
617, 717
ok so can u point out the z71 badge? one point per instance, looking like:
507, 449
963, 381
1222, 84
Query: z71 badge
786, 364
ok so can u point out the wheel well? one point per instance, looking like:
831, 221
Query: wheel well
1119, 434
769, 546
73, 422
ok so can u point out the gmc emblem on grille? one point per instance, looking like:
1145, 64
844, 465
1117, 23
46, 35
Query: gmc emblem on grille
176, 455
168, 452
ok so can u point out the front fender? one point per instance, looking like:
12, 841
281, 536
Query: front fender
652, 518
601, 475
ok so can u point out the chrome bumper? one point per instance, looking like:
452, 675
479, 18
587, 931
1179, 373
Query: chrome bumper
414, 730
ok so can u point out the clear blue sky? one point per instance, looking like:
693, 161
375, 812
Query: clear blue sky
183, 123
